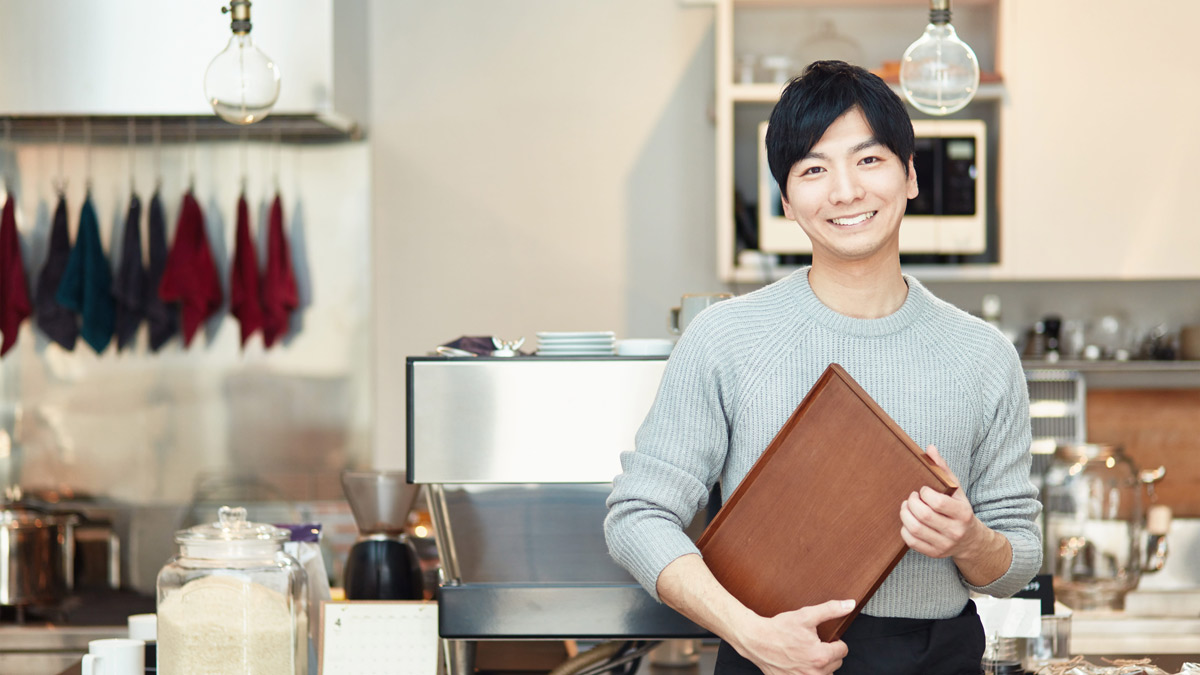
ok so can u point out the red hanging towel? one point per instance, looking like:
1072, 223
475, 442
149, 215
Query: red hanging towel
279, 283
245, 296
14, 292
190, 277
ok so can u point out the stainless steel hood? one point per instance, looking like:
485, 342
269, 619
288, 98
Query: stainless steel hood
105, 62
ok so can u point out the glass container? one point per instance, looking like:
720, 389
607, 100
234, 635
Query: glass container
1095, 524
232, 602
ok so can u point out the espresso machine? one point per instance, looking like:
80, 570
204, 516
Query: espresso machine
383, 563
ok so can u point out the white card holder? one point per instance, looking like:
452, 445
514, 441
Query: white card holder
379, 637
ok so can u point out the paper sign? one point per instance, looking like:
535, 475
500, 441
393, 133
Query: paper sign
1010, 617
377, 637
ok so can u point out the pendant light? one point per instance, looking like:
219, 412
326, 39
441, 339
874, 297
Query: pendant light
241, 83
939, 73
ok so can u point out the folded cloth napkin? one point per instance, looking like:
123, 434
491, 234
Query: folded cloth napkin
162, 317
56, 321
86, 286
245, 297
131, 285
14, 291
279, 292
190, 276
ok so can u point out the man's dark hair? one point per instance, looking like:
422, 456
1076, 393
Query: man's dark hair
820, 95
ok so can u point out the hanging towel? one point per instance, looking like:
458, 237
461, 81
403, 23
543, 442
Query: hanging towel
14, 291
129, 288
279, 282
190, 276
161, 317
245, 297
86, 286
56, 321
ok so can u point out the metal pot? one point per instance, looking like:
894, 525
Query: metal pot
36, 555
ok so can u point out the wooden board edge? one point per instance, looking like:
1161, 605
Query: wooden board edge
949, 485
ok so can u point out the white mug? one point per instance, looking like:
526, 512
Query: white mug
115, 656
690, 305
143, 627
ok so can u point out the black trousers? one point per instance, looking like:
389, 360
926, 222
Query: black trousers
885, 646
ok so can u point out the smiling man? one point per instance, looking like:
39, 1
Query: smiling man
840, 145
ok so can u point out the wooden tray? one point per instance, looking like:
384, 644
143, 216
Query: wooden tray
817, 518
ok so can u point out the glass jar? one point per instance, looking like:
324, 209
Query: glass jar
1095, 524
232, 602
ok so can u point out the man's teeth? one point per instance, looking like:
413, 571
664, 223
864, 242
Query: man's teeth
852, 221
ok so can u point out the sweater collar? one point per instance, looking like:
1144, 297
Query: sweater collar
811, 307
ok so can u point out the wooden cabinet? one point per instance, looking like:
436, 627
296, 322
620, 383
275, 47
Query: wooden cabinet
1101, 140
866, 32
1094, 125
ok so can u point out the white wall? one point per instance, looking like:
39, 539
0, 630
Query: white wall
536, 165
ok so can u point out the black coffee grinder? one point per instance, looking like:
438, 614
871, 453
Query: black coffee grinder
383, 563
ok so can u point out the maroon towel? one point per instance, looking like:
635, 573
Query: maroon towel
245, 297
190, 276
279, 282
14, 292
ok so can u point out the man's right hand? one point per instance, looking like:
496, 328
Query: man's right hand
787, 644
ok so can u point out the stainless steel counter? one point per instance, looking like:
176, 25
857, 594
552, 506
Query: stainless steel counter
43, 649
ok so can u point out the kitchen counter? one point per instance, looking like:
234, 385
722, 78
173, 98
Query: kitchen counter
42, 649
1099, 632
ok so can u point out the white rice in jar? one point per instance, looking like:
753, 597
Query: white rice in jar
225, 625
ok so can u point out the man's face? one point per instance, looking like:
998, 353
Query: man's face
850, 192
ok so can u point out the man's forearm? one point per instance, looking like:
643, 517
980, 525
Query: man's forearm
688, 587
986, 561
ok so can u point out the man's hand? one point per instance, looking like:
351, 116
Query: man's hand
939, 525
942, 526
787, 644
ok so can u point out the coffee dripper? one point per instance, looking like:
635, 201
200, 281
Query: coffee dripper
383, 563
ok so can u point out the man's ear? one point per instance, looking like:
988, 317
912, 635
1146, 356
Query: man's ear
787, 207
912, 180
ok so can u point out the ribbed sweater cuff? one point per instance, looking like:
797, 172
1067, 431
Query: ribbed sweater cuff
651, 549
1026, 559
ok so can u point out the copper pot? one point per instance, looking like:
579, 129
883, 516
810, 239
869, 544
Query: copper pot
36, 555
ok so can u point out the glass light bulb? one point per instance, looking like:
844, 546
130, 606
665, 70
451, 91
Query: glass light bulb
939, 73
241, 83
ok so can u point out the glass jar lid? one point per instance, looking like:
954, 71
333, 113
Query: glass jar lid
1084, 452
231, 528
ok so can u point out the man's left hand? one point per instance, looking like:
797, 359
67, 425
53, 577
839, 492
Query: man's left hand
940, 525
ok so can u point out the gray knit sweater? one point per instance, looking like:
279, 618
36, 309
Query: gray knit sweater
742, 367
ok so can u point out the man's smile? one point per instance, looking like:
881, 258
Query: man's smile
853, 220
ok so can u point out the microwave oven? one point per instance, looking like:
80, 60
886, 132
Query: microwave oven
948, 217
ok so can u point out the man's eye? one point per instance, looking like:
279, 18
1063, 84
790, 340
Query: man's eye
870, 160
811, 171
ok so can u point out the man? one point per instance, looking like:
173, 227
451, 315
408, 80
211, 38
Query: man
840, 145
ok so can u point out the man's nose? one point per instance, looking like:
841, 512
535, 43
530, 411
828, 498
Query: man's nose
846, 188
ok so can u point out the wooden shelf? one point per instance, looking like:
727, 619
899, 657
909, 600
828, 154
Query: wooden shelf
1128, 374
1109, 366
852, 3
768, 92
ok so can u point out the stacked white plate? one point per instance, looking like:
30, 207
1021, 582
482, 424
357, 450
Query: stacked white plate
594, 343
